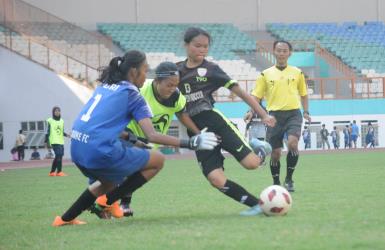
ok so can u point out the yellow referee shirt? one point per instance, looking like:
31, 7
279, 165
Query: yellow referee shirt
281, 88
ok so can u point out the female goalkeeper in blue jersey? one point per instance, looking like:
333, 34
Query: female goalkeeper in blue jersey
96, 147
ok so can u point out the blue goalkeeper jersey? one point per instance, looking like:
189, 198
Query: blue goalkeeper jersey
95, 134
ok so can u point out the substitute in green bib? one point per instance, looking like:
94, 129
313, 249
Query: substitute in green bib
164, 100
55, 138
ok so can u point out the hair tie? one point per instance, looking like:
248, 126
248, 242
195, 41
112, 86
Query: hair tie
120, 60
167, 73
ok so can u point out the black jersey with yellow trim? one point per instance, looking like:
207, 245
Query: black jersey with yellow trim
198, 84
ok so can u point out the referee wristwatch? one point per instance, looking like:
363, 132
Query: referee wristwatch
306, 112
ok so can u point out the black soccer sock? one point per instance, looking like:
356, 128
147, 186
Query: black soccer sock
131, 184
59, 164
239, 194
291, 161
54, 164
275, 168
85, 200
126, 199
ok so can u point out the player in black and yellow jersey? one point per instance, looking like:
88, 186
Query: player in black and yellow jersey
199, 78
284, 88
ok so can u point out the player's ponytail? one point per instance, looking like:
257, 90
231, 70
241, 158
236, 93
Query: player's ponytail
119, 67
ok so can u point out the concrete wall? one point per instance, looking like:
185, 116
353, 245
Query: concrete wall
28, 92
247, 14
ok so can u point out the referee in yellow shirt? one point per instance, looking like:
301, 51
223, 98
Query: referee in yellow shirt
284, 88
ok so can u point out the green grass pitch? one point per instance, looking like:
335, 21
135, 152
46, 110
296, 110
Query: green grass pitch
339, 203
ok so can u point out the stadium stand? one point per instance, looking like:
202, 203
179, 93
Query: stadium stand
71, 51
362, 47
163, 42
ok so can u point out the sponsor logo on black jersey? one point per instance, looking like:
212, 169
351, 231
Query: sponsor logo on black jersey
202, 71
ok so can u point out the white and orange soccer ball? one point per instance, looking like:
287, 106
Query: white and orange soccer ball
275, 200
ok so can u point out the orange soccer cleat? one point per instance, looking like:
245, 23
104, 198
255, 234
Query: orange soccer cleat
114, 209
61, 174
52, 174
58, 222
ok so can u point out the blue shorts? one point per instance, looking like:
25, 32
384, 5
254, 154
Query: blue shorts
354, 138
133, 160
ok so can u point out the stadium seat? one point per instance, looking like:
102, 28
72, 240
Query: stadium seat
362, 47
162, 42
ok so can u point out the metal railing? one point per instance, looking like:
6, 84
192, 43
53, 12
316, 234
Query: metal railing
51, 41
265, 50
50, 58
324, 89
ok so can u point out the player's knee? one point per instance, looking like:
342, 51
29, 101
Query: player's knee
216, 182
293, 147
251, 161
275, 155
159, 160
252, 164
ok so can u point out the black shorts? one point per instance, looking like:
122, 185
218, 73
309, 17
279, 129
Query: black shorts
232, 140
288, 121
58, 149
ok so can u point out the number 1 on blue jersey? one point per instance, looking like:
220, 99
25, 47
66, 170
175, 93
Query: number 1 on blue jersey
86, 117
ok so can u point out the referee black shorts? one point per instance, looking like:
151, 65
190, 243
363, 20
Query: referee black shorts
232, 140
288, 121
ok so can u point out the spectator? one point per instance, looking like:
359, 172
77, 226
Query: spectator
254, 126
306, 137
35, 154
370, 136
20, 144
324, 137
355, 133
14, 154
346, 136
335, 137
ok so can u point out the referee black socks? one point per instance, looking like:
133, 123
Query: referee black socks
291, 161
275, 168
239, 194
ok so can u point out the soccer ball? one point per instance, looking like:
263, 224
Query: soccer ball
275, 200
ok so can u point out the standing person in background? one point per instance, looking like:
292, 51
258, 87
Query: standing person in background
306, 137
20, 145
335, 137
285, 89
350, 135
324, 137
55, 137
370, 136
355, 133
346, 136
254, 126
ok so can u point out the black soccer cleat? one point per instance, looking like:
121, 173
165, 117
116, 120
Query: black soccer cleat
289, 185
99, 211
127, 211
